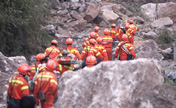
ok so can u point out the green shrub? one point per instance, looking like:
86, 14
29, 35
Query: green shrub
20, 32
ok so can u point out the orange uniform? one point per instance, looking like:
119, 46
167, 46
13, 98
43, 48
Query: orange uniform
19, 87
53, 52
72, 50
97, 34
123, 49
102, 50
46, 82
113, 32
63, 68
107, 43
33, 70
119, 34
130, 32
90, 50
133, 27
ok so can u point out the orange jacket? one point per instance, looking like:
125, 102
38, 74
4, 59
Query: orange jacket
113, 32
123, 53
63, 68
98, 35
130, 32
72, 50
19, 87
102, 50
54, 52
46, 82
119, 34
107, 41
85, 44
33, 70
90, 50
133, 27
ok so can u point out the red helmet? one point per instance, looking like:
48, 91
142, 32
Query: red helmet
54, 42
131, 21
72, 56
106, 31
113, 25
124, 37
96, 28
93, 35
51, 64
69, 41
24, 69
99, 39
40, 56
127, 25
91, 60
92, 41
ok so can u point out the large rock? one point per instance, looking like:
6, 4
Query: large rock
110, 16
164, 10
109, 84
92, 12
78, 25
161, 22
147, 49
75, 15
150, 35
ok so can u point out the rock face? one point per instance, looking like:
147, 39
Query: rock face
110, 16
109, 84
161, 22
147, 49
150, 35
92, 12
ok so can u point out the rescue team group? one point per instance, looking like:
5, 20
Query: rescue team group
41, 89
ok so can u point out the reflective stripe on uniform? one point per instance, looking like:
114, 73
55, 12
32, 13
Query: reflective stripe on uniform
69, 67
83, 52
55, 82
98, 54
17, 81
130, 48
47, 76
41, 68
24, 87
104, 50
60, 67
35, 82
117, 47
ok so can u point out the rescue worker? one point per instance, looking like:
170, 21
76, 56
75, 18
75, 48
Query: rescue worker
71, 49
96, 29
130, 32
91, 50
18, 86
101, 48
53, 51
113, 32
85, 43
66, 62
107, 43
92, 35
40, 59
91, 61
132, 26
46, 85
121, 31
124, 50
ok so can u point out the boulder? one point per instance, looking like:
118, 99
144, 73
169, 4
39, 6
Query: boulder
50, 29
147, 49
92, 12
75, 15
139, 20
161, 22
78, 25
167, 53
150, 35
110, 16
109, 84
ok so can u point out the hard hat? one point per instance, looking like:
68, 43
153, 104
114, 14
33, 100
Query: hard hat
93, 35
99, 39
71, 55
127, 25
69, 41
51, 64
113, 25
91, 60
24, 69
40, 56
131, 21
124, 37
54, 42
65, 53
96, 28
106, 31
92, 41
